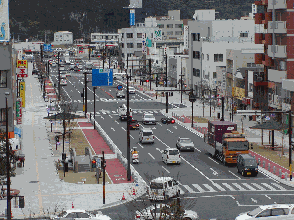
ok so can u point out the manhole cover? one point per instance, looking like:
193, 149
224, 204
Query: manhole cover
34, 181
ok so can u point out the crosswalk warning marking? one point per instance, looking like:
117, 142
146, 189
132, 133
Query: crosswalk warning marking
239, 187
198, 187
190, 190
219, 187
140, 112
278, 186
229, 187
268, 186
209, 187
181, 191
249, 187
258, 186
156, 112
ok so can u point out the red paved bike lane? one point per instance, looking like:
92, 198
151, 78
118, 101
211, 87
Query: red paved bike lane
116, 171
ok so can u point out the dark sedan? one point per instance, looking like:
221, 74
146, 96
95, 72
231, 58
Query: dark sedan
134, 125
168, 121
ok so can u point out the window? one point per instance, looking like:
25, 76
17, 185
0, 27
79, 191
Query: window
129, 54
122, 45
278, 211
122, 35
207, 57
151, 35
139, 45
123, 55
196, 55
3, 78
196, 37
243, 34
264, 213
139, 35
162, 33
3, 116
169, 26
170, 33
178, 32
130, 45
170, 183
160, 25
178, 25
218, 57
250, 87
196, 72
214, 75
129, 35
283, 65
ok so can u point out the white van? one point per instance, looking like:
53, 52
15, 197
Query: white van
171, 155
162, 188
146, 136
119, 76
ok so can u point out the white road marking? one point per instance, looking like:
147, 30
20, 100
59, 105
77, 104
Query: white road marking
123, 128
214, 172
212, 159
253, 200
249, 187
110, 116
218, 186
165, 169
159, 124
151, 156
209, 187
175, 127
278, 186
268, 186
169, 130
234, 174
116, 122
159, 150
228, 186
239, 187
112, 129
198, 187
258, 186
132, 137
140, 145
195, 168
267, 197
197, 149
162, 142
189, 189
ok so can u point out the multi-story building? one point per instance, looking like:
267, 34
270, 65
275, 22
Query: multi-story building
102, 39
63, 37
208, 41
278, 55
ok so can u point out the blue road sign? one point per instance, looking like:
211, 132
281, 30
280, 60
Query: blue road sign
102, 77
119, 87
132, 19
98, 162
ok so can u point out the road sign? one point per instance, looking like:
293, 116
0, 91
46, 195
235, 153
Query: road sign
22, 75
22, 63
102, 77
119, 87
98, 162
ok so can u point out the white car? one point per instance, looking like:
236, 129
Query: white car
275, 211
62, 76
80, 214
149, 119
63, 82
132, 90
171, 155
164, 211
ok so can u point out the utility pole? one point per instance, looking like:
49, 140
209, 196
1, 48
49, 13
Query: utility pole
86, 94
209, 102
58, 77
223, 108
8, 166
166, 94
290, 142
103, 167
63, 137
128, 126
89, 52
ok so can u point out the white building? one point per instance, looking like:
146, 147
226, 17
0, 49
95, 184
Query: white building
63, 37
102, 39
210, 40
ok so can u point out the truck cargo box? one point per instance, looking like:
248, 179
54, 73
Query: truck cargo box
216, 129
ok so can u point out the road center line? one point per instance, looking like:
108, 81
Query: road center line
213, 160
169, 130
132, 136
234, 174
123, 128
165, 169
140, 145
112, 129
267, 197
116, 121
151, 156
161, 141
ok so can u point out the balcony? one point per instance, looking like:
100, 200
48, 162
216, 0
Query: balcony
279, 27
277, 51
276, 75
279, 4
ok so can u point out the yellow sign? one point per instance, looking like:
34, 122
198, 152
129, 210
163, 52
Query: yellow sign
238, 92
22, 90
22, 63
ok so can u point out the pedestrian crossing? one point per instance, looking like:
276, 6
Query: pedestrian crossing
231, 187
135, 112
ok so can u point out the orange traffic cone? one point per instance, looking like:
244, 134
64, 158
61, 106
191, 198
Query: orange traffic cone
123, 198
72, 206
134, 191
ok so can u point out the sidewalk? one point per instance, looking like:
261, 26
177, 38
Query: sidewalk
38, 180
183, 117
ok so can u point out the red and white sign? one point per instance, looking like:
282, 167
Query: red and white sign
22, 72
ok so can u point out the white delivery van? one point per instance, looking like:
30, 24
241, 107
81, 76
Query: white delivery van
162, 188
122, 112
119, 76
146, 136
171, 155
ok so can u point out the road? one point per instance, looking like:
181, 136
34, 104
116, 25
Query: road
205, 182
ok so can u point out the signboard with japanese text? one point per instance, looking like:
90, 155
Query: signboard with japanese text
132, 17
22, 63
135, 4
144, 43
102, 77
18, 111
22, 89
4, 21
157, 35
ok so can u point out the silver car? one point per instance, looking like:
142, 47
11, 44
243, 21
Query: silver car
164, 211
185, 144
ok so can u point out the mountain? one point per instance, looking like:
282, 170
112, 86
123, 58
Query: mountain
29, 19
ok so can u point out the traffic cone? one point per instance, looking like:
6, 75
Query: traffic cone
72, 206
283, 176
123, 198
134, 191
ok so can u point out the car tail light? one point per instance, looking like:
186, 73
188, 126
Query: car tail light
137, 125
173, 121
179, 156
167, 156
138, 216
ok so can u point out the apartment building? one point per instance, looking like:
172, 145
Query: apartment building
102, 39
208, 41
63, 37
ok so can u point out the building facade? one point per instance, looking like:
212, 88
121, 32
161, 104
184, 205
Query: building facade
63, 37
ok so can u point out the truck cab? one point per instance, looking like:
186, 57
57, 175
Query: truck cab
122, 112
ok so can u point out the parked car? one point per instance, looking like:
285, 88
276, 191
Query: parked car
165, 211
274, 211
185, 144
80, 214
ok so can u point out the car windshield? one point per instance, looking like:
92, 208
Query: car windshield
149, 116
250, 162
186, 141
156, 185
241, 145
131, 88
173, 152
147, 133
254, 212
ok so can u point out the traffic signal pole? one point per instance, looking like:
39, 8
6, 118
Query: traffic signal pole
128, 126
58, 77
103, 167
8, 166
166, 94
86, 97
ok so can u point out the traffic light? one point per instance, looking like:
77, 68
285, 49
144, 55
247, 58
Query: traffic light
103, 164
65, 166
82, 94
147, 80
93, 163
56, 138
21, 202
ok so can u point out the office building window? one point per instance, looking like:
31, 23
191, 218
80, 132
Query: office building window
214, 75
139, 35
130, 45
3, 78
196, 36
160, 25
218, 57
170, 33
178, 32
243, 34
122, 45
196, 55
123, 55
169, 26
129, 35
207, 57
129, 54
196, 72
122, 35
2, 116
178, 25
139, 45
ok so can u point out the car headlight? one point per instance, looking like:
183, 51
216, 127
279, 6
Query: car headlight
246, 169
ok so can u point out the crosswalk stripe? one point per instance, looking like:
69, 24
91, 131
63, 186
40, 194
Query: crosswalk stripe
156, 112
219, 187
209, 187
135, 112
114, 112
229, 187
258, 186
268, 186
181, 191
98, 113
278, 186
190, 190
239, 187
249, 187
198, 187
140, 112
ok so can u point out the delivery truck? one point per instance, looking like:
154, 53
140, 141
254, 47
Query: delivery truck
227, 143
